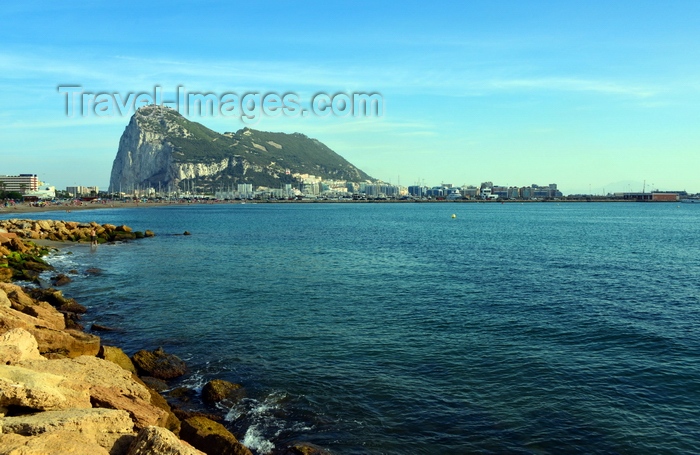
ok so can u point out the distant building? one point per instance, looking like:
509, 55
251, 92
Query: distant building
470, 192
486, 193
245, 190
82, 191
667, 197
22, 183
500, 191
658, 196
417, 191
47, 192
436, 191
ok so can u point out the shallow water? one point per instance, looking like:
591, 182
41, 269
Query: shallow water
394, 328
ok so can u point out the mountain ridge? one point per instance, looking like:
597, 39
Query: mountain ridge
161, 148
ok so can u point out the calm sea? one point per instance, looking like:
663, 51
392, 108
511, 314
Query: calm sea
537, 328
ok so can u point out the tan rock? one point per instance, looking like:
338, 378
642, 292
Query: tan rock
5, 274
44, 225
116, 355
12, 319
111, 429
211, 437
218, 390
159, 364
110, 386
65, 343
92, 421
159, 441
58, 443
172, 423
4, 299
23, 302
25, 387
143, 413
49, 315
17, 345
52, 342
18, 296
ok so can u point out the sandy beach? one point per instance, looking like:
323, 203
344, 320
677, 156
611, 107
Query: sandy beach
29, 208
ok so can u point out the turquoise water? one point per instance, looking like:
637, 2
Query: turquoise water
396, 329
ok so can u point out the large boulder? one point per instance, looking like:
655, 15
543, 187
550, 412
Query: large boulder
65, 343
53, 342
44, 225
304, 448
110, 429
60, 279
6, 274
40, 390
211, 437
56, 443
4, 299
109, 386
57, 300
117, 356
218, 390
16, 294
159, 364
159, 441
172, 423
17, 345
142, 412
24, 303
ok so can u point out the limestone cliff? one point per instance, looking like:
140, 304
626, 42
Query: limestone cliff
161, 149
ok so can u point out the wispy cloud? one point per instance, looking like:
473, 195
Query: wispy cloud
576, 85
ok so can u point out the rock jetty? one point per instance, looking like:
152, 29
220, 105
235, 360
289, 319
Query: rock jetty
70, 231
62, 391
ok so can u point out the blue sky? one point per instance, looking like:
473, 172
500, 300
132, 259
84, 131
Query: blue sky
595, 96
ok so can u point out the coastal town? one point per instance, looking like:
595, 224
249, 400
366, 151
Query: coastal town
29, 188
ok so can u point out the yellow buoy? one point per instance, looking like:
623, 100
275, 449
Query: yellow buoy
454, 216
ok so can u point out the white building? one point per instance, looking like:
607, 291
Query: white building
80, 191
22, 183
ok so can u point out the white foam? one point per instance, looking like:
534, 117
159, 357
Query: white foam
254, 440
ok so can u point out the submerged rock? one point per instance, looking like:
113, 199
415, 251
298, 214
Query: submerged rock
218, 390
304, 448
60, 280
211, 437
159, 364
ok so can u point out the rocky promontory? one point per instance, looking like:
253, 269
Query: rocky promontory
63, 391
69, 231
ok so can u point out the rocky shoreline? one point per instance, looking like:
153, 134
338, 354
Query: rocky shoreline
63, 391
